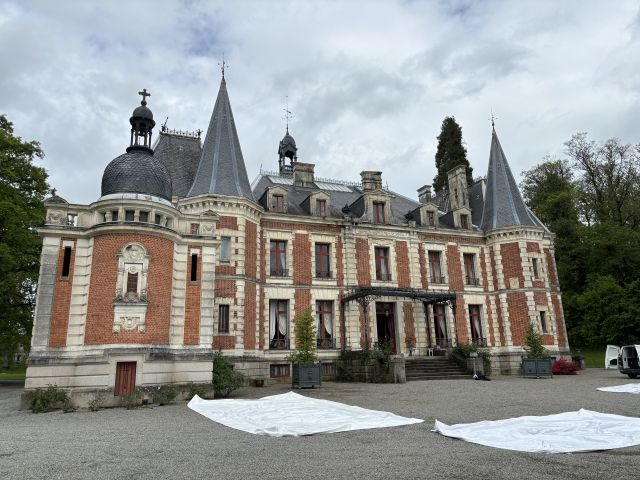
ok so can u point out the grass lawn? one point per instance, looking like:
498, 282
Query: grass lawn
593, 356
16, 372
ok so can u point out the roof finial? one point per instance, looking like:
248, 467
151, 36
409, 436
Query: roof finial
222, 65
493, 119
144, 95
287, 113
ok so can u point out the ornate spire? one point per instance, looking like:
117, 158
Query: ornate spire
503, 206
221, 169
142, 124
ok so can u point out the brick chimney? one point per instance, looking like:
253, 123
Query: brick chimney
424, 194
303, 174
371, 180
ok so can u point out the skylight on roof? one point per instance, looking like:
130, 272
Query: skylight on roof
335, 187
281, 180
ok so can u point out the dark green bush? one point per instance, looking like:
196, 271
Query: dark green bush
51, 398
133, 400
225, 378
465, 351
197, 389
164, 395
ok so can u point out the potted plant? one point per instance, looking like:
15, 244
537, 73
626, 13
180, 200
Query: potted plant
537, 363
306, 371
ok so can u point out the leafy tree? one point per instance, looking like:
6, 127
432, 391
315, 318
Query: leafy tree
23, 187
609, 180
450, 153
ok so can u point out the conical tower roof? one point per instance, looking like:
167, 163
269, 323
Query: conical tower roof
221, 169
503, 206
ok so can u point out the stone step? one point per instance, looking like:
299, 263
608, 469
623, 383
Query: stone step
441, 377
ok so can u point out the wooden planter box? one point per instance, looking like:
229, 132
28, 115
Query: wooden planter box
306, 375
537, 367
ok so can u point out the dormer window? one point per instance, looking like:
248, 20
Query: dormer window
431, 218
277, 203
321, 208
378, 212
464, 221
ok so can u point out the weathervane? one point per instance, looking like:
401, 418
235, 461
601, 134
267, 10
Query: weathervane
287, 113
493, 119
144, 96
222, 65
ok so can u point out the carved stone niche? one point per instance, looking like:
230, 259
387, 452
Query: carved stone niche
208, 222
130, 303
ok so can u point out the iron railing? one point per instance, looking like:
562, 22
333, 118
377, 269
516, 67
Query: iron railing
283, 272
481, 342
325, 275
279, 344
326, 343
472, 281
383, 277
438, 279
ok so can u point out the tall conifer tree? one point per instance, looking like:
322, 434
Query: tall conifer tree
450, 153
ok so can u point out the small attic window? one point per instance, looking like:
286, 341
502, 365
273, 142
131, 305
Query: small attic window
277, 203
464, 221
321, 207
431, 218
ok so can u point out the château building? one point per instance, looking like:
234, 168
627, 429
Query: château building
180, 256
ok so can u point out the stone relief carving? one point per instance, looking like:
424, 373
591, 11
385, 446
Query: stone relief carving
56, 217
129, 323
133, 253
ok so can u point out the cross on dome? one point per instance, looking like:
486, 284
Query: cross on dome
144, 94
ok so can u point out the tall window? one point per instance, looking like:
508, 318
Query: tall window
223, 319
277, 203
378, 212
132, 282
431, 218
543, 321
382, 263
323, 269
534, 264
225, 250
435, 267
279, 324
471, 277
66, 262
194, 267
324, 324
440, 325
476, 325
278, 257
321, 208
464, 221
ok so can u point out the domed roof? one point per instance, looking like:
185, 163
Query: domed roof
137, 171
142, 112
288, 140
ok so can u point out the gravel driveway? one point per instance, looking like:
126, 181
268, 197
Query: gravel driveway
174, 442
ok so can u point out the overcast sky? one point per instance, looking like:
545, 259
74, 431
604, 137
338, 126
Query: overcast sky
368, 82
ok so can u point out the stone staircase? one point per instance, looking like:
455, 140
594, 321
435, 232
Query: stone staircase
434, 368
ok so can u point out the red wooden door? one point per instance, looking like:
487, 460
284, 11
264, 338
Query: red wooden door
125, 379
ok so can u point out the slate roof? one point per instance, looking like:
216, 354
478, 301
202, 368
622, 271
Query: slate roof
137, 171
504, 206
221, 169
346, 195
180, 155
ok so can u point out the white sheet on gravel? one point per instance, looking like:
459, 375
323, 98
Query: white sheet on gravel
290, 414
627, 388
581, 431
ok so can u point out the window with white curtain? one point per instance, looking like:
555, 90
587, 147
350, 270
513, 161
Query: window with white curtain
324, 323
279, 324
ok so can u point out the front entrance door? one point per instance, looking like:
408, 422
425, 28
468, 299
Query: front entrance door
125, 379
386, 324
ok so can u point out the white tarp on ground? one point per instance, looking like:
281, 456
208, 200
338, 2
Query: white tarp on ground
290, 414
581, 431
627, 388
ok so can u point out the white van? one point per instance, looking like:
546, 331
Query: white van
628, 360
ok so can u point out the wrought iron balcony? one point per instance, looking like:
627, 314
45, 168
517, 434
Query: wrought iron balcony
280, 273
443, 342
326, 343
438, 280
279, 344
383, 277
472, 281
481, 342
323, 275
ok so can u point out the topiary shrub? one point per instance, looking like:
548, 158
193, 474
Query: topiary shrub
306, 343
533, 344
51, 398
564, 367
225, 378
